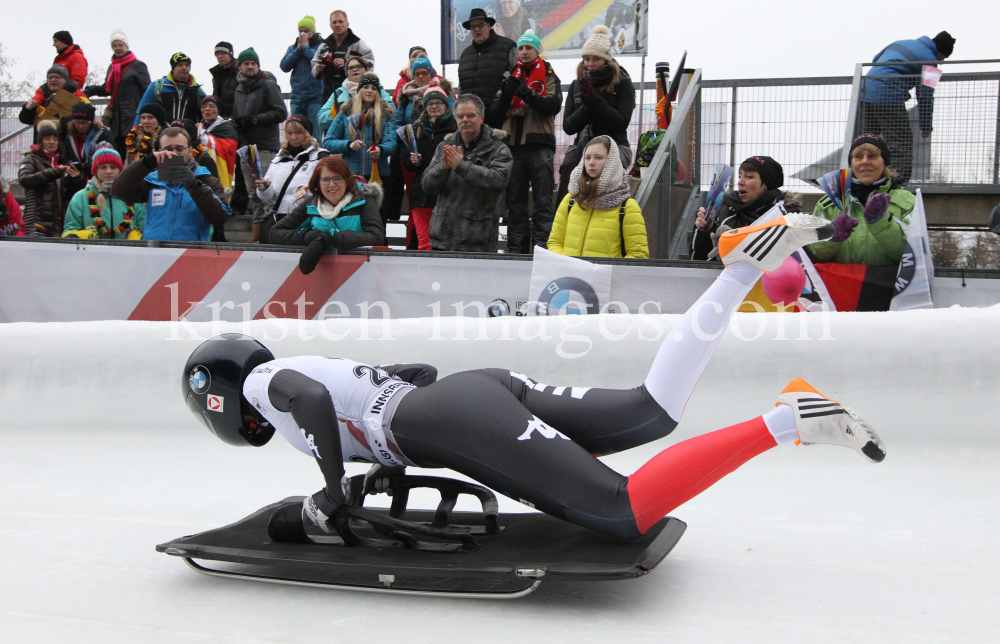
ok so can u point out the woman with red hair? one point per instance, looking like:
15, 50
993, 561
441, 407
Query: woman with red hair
341, 213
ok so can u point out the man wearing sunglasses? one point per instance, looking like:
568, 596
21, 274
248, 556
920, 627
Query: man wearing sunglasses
486, 59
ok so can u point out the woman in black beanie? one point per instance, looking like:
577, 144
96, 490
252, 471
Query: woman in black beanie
756, 193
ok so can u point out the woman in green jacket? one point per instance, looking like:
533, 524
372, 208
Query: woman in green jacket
871, 233
93, 213
597, 218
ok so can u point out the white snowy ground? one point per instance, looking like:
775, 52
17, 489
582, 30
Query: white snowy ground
100, 461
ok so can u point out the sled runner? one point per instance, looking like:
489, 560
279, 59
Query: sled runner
442, 552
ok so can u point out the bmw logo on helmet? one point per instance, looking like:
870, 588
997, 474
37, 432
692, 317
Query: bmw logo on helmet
199, 380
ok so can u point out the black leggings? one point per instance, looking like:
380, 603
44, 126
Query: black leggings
533, 443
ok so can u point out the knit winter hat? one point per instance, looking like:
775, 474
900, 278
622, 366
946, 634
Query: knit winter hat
178, 58
871, 139
84, 111
248, 54
308, 22
771, 173
422, 63
436, 92
211, 99
225, 48
189, 127
64, 37
58, 69
416, 48
599, 44
156, 111
529, 38
302, 120
47, 127
119, 34
945, 44
105, 154
370, 78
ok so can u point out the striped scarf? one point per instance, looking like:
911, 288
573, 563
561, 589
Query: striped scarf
99, 225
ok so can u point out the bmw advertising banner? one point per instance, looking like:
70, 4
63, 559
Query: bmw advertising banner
562, 25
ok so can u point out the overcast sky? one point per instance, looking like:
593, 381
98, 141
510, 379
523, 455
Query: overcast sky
759, 39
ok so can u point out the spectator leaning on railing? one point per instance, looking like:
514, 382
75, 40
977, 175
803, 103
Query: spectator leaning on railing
884, 102
94, 213
11, 221
871, 233
48, 183
527, 104
177, 92
126, 82
341, 214
756, 193
307, 90
600, 101
468, 174
598, 218
258, 112
287, 179
182, 206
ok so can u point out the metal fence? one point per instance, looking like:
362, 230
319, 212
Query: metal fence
797, 121
945, 137
667, 194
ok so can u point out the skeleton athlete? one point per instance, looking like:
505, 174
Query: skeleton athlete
533, 442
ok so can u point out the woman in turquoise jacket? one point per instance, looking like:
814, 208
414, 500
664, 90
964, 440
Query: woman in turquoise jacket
872, 232
363, 134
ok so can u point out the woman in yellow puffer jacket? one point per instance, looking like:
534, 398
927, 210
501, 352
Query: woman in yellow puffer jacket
598, 212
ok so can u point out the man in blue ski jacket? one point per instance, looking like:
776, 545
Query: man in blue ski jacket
887, 88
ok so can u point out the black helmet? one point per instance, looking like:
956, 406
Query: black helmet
212, 386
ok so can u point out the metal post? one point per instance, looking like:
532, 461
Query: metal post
996, 142
642, 97
852, 117
732, 141
697, 141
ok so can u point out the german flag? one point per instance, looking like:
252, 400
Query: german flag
855, 287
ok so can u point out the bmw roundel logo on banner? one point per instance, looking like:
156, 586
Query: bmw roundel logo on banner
199, 380
568, 296
498, 308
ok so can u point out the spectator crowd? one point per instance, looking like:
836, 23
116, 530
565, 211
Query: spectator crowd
330, 169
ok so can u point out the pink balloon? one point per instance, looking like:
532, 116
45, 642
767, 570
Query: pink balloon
784, 285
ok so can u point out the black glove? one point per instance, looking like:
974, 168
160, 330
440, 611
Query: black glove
182, 175
311, 256
508, 86
588, 93
242, 122
312, 235
520, 89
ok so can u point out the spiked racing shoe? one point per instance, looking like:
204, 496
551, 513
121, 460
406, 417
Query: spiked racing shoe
767, 245
821, 420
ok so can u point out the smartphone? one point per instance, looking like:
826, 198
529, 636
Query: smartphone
163, 167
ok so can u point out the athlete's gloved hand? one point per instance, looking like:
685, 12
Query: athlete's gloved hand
843, 226
377, 478
877, 206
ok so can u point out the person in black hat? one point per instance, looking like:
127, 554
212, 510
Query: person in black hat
178, 92
883, 100
83, 133
757, 191
70, 56
224, 78
484, 62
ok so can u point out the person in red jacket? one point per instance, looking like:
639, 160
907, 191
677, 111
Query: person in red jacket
11, 222
70, 56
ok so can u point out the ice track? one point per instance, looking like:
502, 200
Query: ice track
100, 461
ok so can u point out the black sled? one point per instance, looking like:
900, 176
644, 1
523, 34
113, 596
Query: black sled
441, 552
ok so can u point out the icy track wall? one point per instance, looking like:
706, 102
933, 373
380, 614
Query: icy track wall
912, 374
